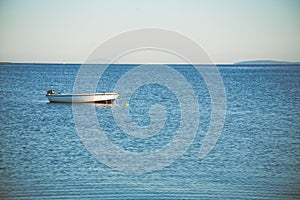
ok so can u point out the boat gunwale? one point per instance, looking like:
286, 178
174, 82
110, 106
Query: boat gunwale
71, 95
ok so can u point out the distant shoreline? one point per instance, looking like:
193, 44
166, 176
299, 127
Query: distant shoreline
266, 62
244, 63
3, 63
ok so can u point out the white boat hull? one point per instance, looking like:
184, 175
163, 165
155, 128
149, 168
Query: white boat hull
82, 98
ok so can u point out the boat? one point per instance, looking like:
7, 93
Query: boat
107, 98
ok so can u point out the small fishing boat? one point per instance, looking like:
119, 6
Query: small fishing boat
81, 98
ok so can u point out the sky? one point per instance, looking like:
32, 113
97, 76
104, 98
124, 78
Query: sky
67, 31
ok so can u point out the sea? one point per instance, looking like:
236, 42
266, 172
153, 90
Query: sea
46, 152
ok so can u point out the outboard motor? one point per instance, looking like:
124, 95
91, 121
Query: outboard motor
50, 92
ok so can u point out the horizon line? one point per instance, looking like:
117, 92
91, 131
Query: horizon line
252, 62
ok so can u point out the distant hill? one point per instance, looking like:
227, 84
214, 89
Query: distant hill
266, 62
4, 63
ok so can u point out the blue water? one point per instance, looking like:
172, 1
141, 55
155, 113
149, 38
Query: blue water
257, 156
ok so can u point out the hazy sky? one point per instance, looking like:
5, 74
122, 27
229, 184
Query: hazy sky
69, 30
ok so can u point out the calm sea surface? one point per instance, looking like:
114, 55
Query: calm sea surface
257, 156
